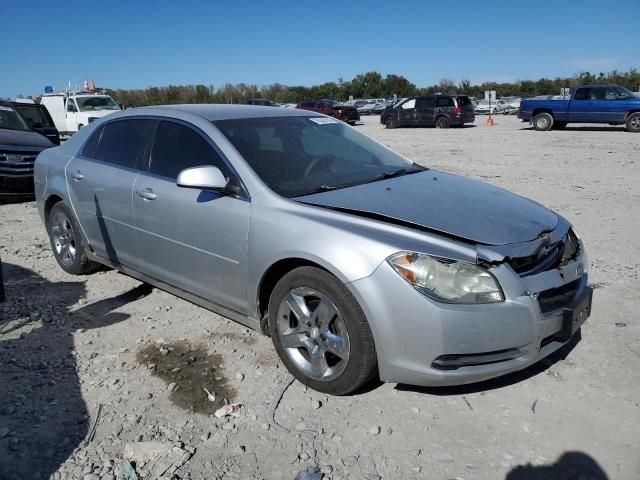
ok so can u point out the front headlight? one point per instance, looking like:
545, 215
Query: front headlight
447, 280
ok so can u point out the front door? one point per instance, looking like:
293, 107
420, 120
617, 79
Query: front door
72, 115
407, 113
100, 181
190, 238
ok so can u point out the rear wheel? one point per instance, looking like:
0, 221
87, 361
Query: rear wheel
543, 122
633, 122
66, 241
321, 333
442, 122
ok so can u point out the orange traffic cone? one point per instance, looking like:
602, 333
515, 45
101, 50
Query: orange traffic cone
490, 121
93, 87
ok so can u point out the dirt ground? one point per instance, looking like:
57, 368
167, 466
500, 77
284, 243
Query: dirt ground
104, 348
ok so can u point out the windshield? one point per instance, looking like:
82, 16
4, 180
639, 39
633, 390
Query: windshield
624, 93
297, 156
11, 120
88, 104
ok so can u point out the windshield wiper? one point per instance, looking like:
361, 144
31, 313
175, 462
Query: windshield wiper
398, 173
320, 189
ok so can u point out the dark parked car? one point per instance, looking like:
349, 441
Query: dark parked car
332, 108
261, 102
39, 119
441, 111
19, 147
589, 104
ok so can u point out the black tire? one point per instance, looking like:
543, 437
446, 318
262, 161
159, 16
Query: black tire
361, 365
67, 243
390, 122
559, 125
442, 122
543, 122
633, 122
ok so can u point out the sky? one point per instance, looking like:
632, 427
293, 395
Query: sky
142, 43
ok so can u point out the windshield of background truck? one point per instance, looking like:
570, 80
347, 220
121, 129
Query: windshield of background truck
89, 104
10, 120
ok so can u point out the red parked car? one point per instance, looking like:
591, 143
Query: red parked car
332, 108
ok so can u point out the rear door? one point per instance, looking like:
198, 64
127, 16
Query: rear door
466, 106
444, 106
581, 106
425, 111
100, 181
191, 238
407, 114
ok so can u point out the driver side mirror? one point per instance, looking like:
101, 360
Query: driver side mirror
206, 177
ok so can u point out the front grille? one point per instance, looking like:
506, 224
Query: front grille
548, 258
17, 164
556, 298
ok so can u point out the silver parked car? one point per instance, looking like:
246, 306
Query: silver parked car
357, 262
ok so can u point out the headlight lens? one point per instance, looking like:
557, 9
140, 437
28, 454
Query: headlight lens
446, 280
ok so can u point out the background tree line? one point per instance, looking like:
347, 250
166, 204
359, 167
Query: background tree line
367, 85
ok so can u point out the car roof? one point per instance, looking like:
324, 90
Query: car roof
213, 112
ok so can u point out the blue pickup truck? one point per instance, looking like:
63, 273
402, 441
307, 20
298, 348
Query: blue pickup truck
588, 104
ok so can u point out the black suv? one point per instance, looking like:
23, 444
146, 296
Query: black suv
19, 147
441, 111
39, 119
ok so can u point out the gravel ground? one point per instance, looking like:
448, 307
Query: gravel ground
104, 348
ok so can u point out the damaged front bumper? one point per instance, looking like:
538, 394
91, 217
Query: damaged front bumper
424, 342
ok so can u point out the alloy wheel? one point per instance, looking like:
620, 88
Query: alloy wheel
313, 334
64, 239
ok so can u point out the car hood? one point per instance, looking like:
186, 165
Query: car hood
22, 138
457, 206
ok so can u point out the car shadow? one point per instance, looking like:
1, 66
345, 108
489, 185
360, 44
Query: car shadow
503, 381
570, 466
43, 417
609, 128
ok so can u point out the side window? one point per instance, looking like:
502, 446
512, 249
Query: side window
598, 93
445, 102
91, 146
71, 106
582, 94
610, 94
425, 103
178, 147
125, 142
409, 104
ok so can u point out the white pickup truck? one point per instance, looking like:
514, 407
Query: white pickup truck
71, 112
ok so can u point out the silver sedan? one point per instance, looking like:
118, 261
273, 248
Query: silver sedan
359, 263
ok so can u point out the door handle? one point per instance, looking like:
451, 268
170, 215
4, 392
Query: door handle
77, 176
147, 194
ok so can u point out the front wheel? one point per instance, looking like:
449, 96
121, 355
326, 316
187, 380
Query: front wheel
390, 122
633, 122
543, 122
66, 241
320, 332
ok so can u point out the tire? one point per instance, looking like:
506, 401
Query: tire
442, 122
390, 122
66, 241
332, 351
559, 125
543, 122
633, 122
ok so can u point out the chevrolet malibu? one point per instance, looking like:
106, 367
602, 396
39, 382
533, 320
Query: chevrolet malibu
357, 262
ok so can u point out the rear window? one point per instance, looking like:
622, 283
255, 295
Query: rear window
445, 102
463, 101
125, 142
36, 116
90, 148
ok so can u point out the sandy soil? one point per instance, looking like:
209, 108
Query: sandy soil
76, 350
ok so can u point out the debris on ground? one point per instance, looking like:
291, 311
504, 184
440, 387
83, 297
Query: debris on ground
228, 410
154, 459
310, 473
